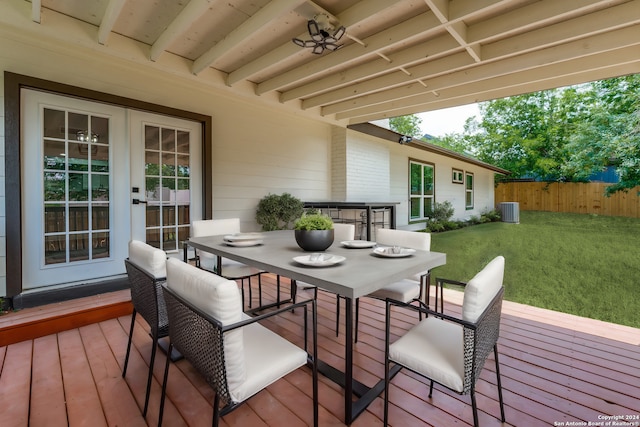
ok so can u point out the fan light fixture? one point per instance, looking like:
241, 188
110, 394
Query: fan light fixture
323, 35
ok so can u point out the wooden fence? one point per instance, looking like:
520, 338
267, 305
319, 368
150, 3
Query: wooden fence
574, 197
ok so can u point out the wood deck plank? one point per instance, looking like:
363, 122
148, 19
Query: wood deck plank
117, 402
551, 373
48, 405
83, 402
15, 383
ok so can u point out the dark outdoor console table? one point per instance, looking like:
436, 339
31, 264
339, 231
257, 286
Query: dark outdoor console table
369, 208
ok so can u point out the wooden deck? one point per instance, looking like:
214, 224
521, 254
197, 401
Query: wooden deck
556, 369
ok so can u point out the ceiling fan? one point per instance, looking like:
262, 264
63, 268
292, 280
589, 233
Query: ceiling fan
323, 35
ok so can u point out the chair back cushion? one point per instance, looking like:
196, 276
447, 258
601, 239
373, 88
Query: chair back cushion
150, 259
343, 232
408, 239
215, 227
219, 298
480, 290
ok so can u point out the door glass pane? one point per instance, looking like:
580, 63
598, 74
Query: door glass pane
167, 172
76, 202
55, 249
54, 155
79, 217
55, 219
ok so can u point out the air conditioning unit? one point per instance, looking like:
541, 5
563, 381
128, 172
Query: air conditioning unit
510, 212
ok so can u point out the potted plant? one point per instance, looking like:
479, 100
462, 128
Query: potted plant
314, 232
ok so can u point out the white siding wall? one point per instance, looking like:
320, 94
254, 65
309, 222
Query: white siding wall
257, 149
367, 169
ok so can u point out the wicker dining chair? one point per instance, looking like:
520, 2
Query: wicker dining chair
146, 271
407, 290
230, 269
236, 356
448, 350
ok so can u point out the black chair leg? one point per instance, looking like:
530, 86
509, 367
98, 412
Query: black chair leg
357, 319
499, 383
259, 291
474, 407
337, 315
164, 386
126, 358
150, 376
431, 389
216, 411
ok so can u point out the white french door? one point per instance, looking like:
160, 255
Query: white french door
166, 179
82, 162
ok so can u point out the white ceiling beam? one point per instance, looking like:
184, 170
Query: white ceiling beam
351, 16
114, 7
187, 16
542, 39
520, 78
376, 67
266, 14
537, 16
353, 92
35, 10
377, 42
500, 91
572, 50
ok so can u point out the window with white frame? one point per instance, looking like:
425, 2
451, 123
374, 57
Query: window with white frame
457, 176
468, 180
421, 190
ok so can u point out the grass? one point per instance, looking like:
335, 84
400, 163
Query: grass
586, 265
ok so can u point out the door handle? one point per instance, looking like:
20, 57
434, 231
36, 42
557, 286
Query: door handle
138, 201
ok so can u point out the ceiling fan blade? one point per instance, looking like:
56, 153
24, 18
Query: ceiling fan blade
318, 49
330, 39
299, 42
313, 28
310, 43
332, 46
339, 33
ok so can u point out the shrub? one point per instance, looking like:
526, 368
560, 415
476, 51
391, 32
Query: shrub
277, 212
442, 212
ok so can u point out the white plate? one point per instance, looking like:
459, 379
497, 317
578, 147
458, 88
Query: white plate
244, 243
358, 244
324, 260
388, 251
236, 237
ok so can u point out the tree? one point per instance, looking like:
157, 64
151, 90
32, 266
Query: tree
406, 125
562, 134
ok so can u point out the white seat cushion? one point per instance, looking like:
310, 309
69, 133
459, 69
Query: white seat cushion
150, 259
268, 357
220, 298
405, 290
405, 238
480, 290
343, 232
408, 239
433, 348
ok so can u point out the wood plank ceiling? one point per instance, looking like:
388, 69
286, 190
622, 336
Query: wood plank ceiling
398, 57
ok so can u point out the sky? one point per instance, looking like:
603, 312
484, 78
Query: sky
448, 120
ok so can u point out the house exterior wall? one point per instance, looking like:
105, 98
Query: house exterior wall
389, 161
257, 149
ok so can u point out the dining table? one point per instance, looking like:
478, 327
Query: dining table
350, 269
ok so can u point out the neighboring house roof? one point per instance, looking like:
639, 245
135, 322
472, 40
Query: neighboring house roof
390, 135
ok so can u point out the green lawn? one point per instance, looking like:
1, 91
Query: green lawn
586, 265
